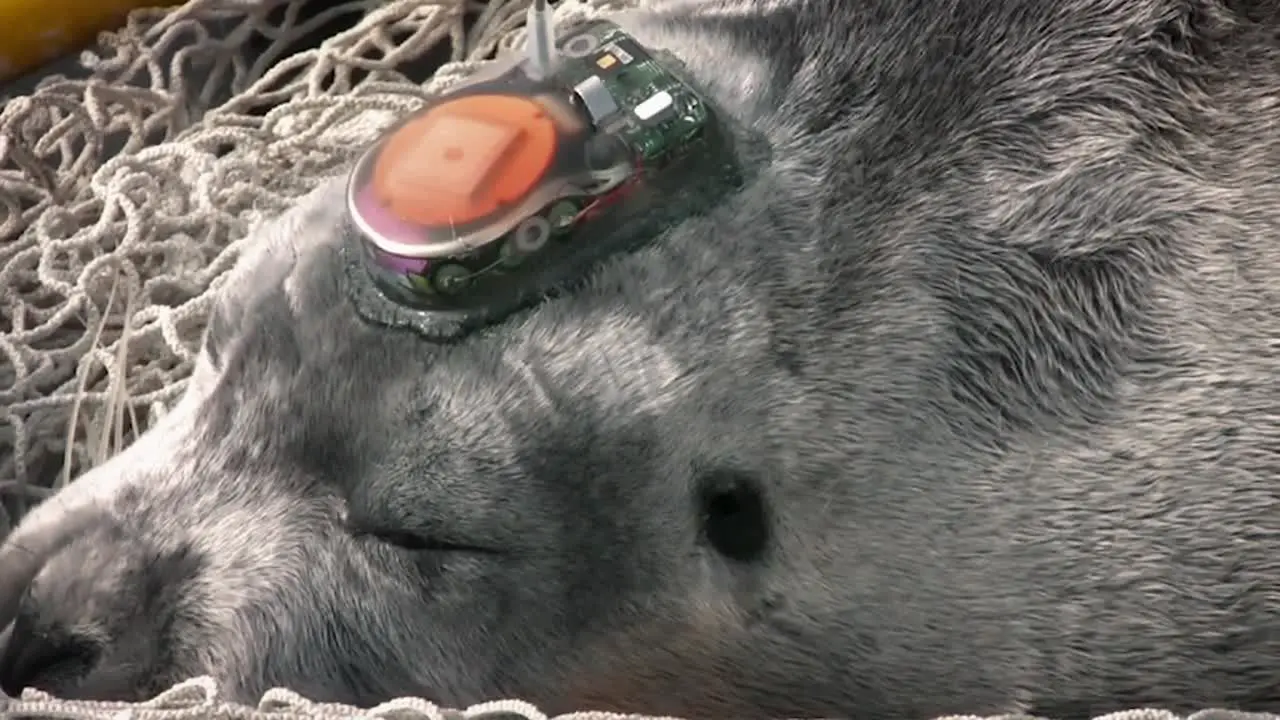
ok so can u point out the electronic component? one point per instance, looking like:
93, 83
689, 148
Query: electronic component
540, 26
516, 182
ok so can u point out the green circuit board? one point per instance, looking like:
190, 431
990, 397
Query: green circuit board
656, 112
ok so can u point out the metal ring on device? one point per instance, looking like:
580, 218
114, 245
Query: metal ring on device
532, 234
580, 45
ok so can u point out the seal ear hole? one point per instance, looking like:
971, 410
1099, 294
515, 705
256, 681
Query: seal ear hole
734, 519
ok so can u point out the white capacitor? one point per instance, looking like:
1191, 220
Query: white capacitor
654, 104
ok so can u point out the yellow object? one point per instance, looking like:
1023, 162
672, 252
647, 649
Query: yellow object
33, 32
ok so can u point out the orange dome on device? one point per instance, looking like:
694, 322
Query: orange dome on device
464, 159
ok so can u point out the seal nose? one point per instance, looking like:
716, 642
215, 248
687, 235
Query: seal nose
4, 644
42, 655
26, 653
18, 566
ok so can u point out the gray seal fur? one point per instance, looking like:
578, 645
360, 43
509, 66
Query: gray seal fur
969, 403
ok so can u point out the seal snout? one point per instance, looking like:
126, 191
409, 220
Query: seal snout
18, 566
39, 656
86, 617
29, 651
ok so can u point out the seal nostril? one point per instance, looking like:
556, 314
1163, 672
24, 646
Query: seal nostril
43, 658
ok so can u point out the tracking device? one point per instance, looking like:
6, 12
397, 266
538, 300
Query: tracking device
519, 180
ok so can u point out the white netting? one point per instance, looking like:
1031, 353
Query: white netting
198, 698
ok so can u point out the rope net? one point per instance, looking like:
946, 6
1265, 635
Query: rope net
198, 698
127, 189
